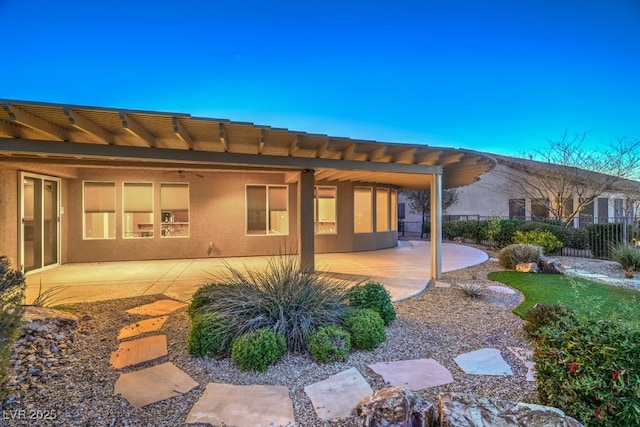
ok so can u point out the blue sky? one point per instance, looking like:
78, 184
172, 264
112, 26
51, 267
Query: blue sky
494, 75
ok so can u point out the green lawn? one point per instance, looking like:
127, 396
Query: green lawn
579, 294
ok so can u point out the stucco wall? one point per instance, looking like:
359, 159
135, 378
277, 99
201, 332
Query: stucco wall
9, 214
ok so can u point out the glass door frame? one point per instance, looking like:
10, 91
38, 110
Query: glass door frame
40, 179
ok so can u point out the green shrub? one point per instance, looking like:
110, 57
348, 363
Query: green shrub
200, 299
508, 228
329, 343
519, 253
12, 289
257, 350
374, 296
542, 315
569, 236
474, 230
282, 297
542, 238
627, 255
602, 237
591, 370
207, 336
366, 328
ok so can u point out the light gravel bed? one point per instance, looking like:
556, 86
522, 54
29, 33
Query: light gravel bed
440, 323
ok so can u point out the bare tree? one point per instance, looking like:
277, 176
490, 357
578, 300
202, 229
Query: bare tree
420, 202
564, 177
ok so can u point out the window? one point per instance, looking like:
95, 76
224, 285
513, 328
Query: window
174, 205
539, 208
267, 209
382, 209
618, 209
586, 214
603, 209
324, 210
137, 207
516, 208
394, 210
362, 210
99, 206
401, 210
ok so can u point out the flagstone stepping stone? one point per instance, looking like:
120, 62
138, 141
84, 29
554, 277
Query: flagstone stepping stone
501, 290
338, 395
413, 374
158, 308
153, 384
442, 284
148, 325
526, 357
135, 352
486, 361
243, 405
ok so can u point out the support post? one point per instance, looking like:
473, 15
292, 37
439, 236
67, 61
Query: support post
436, 226
306, 235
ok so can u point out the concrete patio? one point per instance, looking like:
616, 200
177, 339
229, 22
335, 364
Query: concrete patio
404, 270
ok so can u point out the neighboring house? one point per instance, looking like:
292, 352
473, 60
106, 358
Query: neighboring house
498, 194
89, 184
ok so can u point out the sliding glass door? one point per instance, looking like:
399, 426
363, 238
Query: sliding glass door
40, 221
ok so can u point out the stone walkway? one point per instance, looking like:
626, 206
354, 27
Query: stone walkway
256, 405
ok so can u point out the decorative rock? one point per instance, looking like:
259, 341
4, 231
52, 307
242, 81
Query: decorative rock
528, 267
33, 314
549, 265
460, 410
501, 290
395, 407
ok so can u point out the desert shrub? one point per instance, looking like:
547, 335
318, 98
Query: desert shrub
602, 237
329, 343
542, 238
591, 370
256, 350
366, 328
542, 315
470, 290
12, 288
207, 336
627, 255
282, 297
519, 253
374, 296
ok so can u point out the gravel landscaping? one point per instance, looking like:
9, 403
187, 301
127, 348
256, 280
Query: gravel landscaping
68, 374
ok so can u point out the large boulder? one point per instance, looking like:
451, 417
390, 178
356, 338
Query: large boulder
550, 265
462, 410
396, 407
527, 267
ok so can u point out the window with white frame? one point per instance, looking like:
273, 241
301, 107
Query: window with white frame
137, 210
99, 207
324, 209
174, 208
382, 209
267, 209
362, 210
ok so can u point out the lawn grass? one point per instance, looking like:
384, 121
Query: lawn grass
579, 294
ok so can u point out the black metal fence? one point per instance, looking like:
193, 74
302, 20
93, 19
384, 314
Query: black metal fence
583, 238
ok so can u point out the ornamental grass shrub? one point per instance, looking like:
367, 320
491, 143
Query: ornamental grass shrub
373, 295
627, 255
282, 297
366, 328
329, 343
590, 369
519, 253
542, 238
208, 335
258, 349
12, 290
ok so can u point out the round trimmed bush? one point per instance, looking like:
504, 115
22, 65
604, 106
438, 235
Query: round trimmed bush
329, 343
520, 253
257, 350
366, 328
374, 296
207, 336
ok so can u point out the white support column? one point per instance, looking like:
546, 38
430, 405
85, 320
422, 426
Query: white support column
436, 226
306, 245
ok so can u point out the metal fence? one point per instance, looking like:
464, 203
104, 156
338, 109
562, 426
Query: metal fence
589, 239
